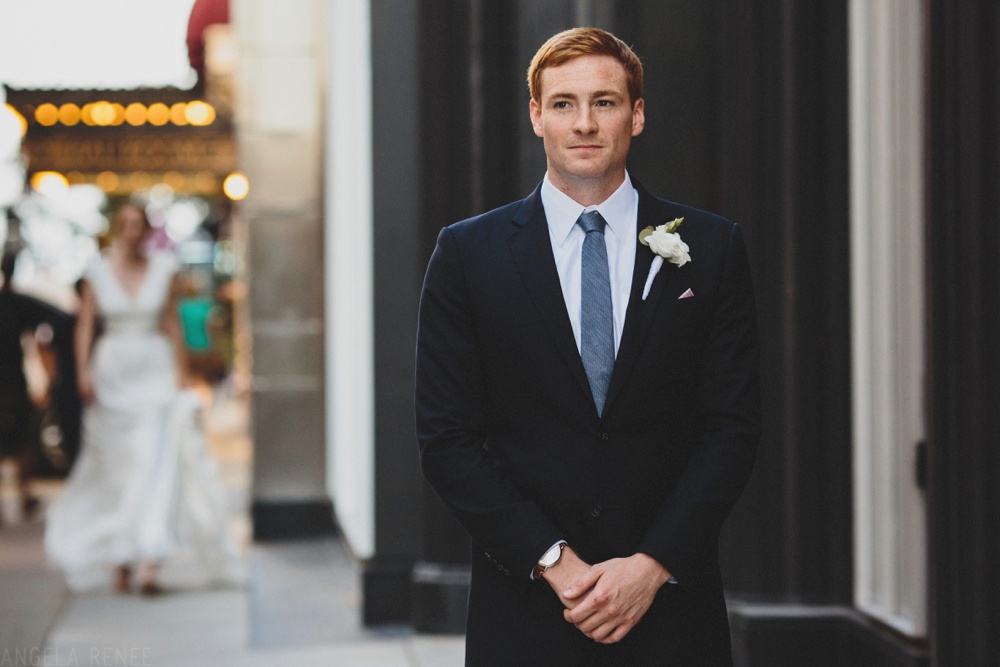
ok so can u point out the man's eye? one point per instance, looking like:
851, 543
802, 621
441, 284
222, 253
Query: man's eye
561, 105
605, 103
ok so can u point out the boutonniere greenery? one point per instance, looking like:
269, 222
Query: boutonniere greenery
666, 243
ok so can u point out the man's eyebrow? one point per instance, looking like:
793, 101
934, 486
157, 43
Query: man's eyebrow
593, 95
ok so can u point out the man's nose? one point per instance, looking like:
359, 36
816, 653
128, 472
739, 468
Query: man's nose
585, 123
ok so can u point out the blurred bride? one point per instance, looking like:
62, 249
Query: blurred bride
144, 484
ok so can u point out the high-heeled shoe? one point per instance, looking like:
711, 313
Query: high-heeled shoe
123, 579
29, 505
150, 589
147, 580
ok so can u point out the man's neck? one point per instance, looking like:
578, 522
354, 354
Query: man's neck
588, 192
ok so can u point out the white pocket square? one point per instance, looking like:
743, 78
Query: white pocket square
687, 294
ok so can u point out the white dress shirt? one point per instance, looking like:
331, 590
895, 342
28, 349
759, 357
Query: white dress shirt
620, 211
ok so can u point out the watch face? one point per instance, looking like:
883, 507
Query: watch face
551, 557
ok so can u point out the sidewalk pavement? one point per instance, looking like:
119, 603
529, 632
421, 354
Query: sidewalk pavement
300, 605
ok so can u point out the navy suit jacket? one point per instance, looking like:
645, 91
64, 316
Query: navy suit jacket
511, 440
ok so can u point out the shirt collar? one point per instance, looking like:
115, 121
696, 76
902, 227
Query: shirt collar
562, 211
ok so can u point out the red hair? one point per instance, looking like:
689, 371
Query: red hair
576, 42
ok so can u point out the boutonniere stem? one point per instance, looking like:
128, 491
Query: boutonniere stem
667, 244
653, 270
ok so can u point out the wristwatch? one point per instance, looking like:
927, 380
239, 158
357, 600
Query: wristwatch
548, 559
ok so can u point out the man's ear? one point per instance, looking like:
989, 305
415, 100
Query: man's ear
535, 113
638, 117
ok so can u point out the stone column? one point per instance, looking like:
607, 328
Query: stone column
279, 118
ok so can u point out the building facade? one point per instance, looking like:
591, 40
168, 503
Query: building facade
855, 142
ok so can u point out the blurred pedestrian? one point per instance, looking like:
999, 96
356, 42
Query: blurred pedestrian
21, 315
121, 508
16, 410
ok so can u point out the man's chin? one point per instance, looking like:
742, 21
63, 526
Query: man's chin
590, 173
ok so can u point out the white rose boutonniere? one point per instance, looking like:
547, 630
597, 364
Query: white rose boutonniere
667, 244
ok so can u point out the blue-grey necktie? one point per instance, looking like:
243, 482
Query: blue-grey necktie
597, 324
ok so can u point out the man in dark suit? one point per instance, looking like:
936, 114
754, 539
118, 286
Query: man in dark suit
587, 395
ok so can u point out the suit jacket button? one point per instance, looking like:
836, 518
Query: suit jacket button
603, 436
596, 513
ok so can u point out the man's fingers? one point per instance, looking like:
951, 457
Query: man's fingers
581, 612
618, 634
593, 621
583, 584
596, 601
603, 616
603, 632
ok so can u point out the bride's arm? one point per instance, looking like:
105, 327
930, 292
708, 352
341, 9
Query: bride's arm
172, 327
83, 338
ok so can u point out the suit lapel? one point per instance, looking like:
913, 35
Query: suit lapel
532, 252
639, 314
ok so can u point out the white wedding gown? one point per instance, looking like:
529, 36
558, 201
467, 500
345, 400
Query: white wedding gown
144, 486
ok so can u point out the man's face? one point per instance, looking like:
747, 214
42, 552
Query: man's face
586, 121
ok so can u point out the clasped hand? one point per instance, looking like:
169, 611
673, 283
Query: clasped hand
605, 601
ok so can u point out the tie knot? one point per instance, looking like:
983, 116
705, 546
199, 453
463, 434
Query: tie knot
591, 221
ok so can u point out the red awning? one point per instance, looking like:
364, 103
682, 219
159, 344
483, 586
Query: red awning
203, 14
